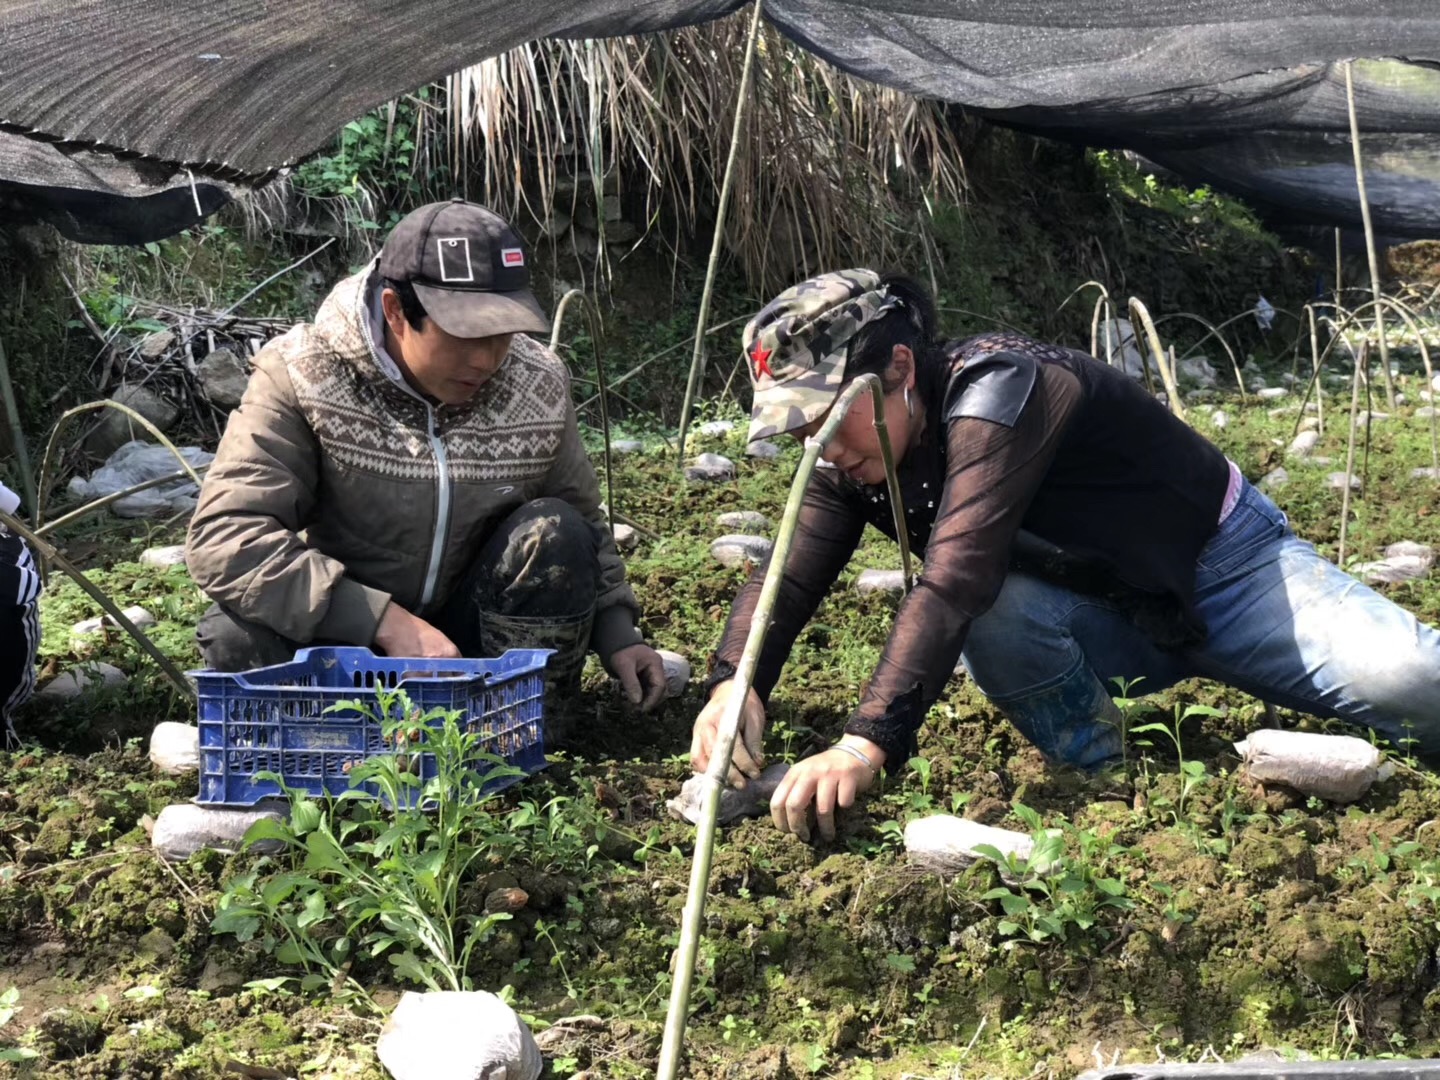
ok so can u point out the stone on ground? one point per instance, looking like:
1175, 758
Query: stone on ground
716, 428
155, 344
223, 376
175, 748
737, 549
1219, 419
1304, 444
1197, 371
115, 428
710, 469
1271, 393
1276, 478
626, 538
457, 1035
626, 446
182, 829
764, 450
1404, 561
1426, 413
677, 672
1425, 474
69, 685
745, 521
173, 555
886, 582
753, 800
1338, 480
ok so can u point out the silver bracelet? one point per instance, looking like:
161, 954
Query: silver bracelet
858, 755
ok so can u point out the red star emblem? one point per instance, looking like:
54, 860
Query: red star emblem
761, 356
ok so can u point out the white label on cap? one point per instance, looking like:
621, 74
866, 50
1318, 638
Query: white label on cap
512, 257
452, 249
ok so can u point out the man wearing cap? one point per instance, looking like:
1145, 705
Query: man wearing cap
406, 473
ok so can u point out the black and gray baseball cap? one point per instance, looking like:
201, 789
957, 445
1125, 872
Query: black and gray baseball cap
469, 268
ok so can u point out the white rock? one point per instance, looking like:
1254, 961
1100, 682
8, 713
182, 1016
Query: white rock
946, 843
1123, 352
1336, 767
716, 428
1410, 549
1310, 423
182, 829
888, 582
709, 469
1319, 460
456, 1035
677, 672
174, 555
753, 800
746, 521
1197, 370
137, 615
1283, 410
1424, 474
223, 376
1276, 478
626, 538
765, 450
737, 549
1338, 480
1304, 444
1219, 419
626, 446
154, 344
1435, 384
71, 684
1393, 570
1271, 393
1425, 414
175, 748
1372, 417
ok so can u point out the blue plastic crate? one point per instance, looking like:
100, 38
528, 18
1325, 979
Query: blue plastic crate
273, 719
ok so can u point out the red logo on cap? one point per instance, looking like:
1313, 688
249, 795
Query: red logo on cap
512, 257
761, 356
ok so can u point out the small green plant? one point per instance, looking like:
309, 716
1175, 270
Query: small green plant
365, 878
9, 1008
1192, 773
1054, 895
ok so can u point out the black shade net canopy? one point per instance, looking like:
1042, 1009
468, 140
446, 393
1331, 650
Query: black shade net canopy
123, 121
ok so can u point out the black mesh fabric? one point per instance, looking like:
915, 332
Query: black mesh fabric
1245, 95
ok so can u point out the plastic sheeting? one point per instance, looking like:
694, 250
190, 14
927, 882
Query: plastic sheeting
1242, 94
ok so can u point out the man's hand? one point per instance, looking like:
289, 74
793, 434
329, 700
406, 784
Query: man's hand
402, 634
641, 673
829, 780
747, 759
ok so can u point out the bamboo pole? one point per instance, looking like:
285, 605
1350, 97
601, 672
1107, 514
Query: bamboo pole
1370, 249
592, 317
1360, 363
697, 359
17, 434
49, 554
714, 777
1140, 313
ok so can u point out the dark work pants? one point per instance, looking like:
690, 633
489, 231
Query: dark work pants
532, 585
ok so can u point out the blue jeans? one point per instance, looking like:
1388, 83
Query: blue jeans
1284, 625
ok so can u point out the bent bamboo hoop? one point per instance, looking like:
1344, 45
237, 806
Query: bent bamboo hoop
714, 778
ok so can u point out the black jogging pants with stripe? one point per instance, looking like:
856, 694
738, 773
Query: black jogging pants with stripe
19, 626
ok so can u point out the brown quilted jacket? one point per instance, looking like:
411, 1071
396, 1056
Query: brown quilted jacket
337, 488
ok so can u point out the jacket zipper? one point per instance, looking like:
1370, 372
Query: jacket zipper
442, 508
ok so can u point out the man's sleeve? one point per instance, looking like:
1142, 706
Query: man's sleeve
572, 478
826, 535
243, 547
992, 475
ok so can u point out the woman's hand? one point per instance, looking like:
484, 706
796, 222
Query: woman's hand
829, 780
747, 759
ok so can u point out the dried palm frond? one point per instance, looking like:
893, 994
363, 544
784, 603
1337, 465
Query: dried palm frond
829, 173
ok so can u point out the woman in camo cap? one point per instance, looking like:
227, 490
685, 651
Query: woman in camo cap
1073, 531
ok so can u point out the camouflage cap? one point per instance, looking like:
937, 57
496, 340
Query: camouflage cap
798, 344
